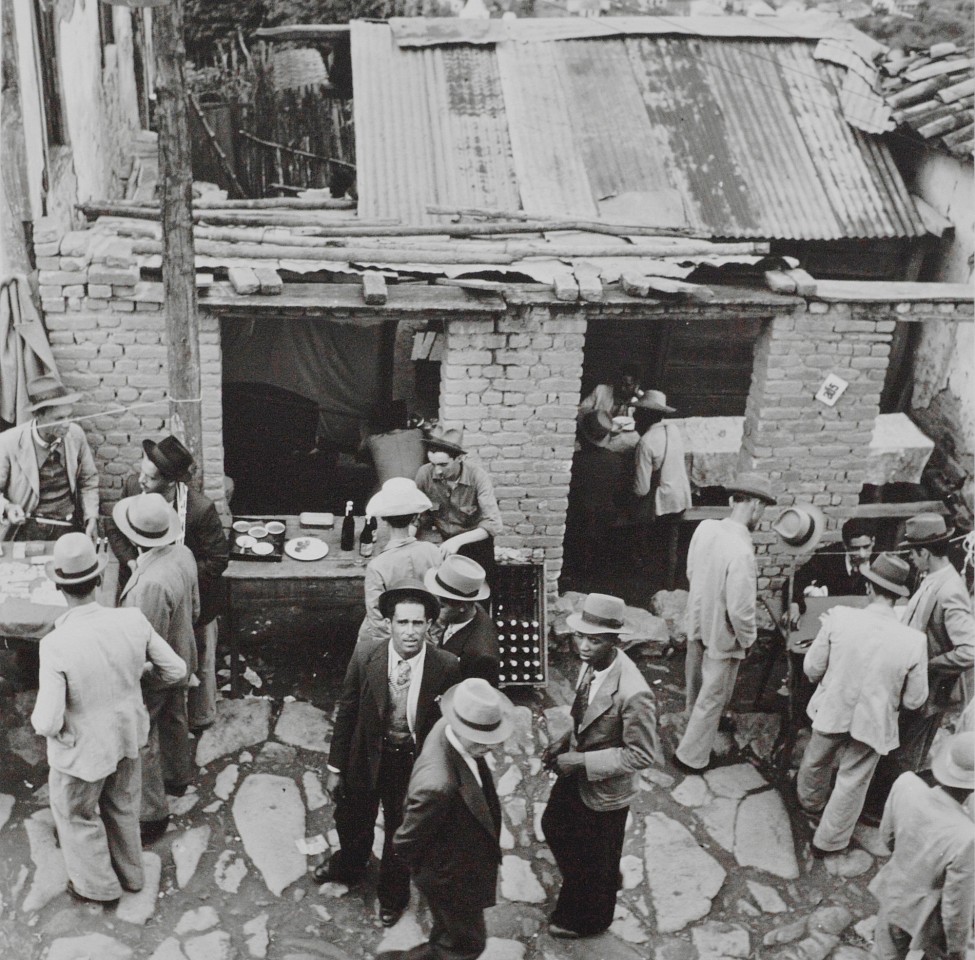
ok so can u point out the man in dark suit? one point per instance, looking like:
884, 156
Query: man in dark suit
467, 630
166, 468
450, 834
614, 733
387, 706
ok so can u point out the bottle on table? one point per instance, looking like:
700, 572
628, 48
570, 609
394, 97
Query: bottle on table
367, 539
347, 541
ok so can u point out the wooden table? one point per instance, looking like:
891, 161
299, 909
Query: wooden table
330, 589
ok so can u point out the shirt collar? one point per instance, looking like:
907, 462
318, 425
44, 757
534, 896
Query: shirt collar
399, 543
43, 444
89, 607
456, 744
414, 662
452, 628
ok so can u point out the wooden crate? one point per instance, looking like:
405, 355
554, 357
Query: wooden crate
518, 609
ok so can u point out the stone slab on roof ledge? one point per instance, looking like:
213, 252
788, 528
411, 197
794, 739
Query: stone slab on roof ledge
879, 291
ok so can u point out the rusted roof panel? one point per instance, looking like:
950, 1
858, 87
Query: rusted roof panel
738, 138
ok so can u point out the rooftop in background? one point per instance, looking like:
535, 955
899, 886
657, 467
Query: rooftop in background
733, 127
932, 93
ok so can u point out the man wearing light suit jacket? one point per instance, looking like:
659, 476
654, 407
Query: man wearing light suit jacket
89, 707
615, 735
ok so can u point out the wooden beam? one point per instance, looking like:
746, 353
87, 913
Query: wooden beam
880, 291
308, 31
863, 511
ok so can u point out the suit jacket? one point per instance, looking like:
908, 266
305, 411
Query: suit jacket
89, 700
448, 837
19, 478
723, 582
618, 737
357, 739
927, 888
204, 536
164, 587
942, 608
661, 451
869, 665
827, 568
476, 646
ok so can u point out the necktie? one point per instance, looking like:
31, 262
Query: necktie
581, 701
490, 794
403, 674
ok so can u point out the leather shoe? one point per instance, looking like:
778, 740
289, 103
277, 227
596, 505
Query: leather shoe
687, 768
81, 898
151, 830
727, 725
818, 853
174, 789
389, 916
327, 872
563, 933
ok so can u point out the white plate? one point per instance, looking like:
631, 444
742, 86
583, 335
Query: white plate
258, 532
245, 542
262, 549
274, 527
242, 526
306, 548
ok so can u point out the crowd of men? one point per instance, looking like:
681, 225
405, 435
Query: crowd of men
420, 708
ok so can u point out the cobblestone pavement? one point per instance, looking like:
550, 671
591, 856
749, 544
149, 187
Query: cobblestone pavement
714, 867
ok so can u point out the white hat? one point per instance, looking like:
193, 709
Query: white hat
955, 765
75, 560
399, 497
147, 520
477, 711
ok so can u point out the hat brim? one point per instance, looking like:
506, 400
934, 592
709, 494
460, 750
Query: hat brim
498, 735
578, 625
819, 528
653, 405
766, 498
68, 400
430, 582
949, 774
101, 561
120, 516
151, 450
444, 446
389, 598
927, 541
897, 588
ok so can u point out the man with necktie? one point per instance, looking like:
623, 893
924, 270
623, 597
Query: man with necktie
387, 706
613, 737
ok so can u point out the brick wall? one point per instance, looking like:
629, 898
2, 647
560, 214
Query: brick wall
108, 335
512, 383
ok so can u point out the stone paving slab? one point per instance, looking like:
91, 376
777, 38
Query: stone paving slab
763, 835
239, 724
304, 725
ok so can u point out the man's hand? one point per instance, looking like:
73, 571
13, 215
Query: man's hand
15, 513
551, 752
794, 615
91, 527
335, 786
569, 761
449, 547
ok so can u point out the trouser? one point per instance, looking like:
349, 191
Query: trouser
166, 761
202, 699
458, 931
710, 685
355, 822
661, 534
587, 846
841, 807
891, 942
98, 829
916, 733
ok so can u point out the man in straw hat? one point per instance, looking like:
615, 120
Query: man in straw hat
89, 707
467, 630
387, 706
660, 481
164, 586
450, 833
399, 504
465, 517
926, 890
720, 614
47, 471
868, 665
613, 736
166, 469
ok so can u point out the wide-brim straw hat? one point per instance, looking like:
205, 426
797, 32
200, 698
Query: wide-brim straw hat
75, 561
147, 520
800, 528
955, 765
172, 459
458, 578
600, 613
409, 590
47, 391
597, 428
654, 400
399, 497
447, 441
477, 711
752, 485
890, 572
924, 529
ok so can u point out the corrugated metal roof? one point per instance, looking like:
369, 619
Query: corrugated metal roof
737, 137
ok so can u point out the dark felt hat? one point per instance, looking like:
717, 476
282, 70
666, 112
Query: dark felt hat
408, 590
172, 459
924, 529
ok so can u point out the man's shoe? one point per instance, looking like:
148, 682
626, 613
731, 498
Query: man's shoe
197, 729
727, 725
389, 916
818, 853
328, 872
563, 933
174, 789
687, 768
81, 898
151, 830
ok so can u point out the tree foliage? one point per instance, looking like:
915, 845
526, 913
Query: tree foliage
933, 22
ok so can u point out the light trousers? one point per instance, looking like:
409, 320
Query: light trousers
202, 699
710, 685
841, 807
98, 829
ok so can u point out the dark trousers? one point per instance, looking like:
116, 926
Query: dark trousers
166, 760
587, 845
458, 931
355, 822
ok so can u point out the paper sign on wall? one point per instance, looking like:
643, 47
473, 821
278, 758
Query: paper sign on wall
832, 389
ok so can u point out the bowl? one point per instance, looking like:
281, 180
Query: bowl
242, 526
274, 527
257, 532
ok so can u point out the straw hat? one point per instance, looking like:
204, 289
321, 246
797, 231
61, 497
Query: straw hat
458, 578
408, 590
48, 391
447, 441
478, 712
171, 458
924, 529
147, 520
800, 527
399, 497
955, 765
654, 400
753, 485
75, 561
601, 613
890, 572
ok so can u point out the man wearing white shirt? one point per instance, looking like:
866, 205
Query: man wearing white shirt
387, 707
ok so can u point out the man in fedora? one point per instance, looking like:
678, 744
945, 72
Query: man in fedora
166, 469
926, 890
450, 833
868, 665
832, 571
399, 505
89, 707
165, 588
660, 481
47, 471
613, 736
387, 706
465, 517
468, 632
720, 614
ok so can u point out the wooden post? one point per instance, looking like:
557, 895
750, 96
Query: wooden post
178, 256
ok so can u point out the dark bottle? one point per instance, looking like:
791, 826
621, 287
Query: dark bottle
367, 539
348, 528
